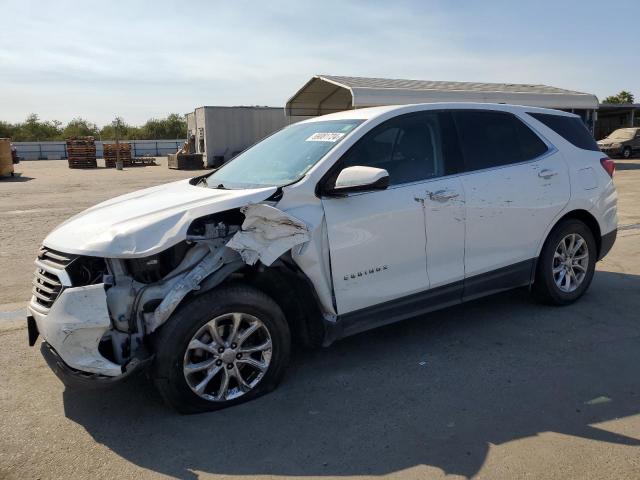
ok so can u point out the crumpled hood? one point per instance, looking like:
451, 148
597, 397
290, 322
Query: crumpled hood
147, 221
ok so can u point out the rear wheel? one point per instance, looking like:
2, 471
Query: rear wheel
225, 347
566, 264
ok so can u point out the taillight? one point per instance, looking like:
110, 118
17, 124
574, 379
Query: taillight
609, 165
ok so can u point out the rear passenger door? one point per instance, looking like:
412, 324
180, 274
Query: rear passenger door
515, 185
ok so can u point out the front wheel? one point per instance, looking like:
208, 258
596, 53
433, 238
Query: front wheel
566, 264
224, 347
626, 153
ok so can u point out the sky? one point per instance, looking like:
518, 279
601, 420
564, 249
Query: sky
145, 59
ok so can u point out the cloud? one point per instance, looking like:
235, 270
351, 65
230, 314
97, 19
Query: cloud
138, 59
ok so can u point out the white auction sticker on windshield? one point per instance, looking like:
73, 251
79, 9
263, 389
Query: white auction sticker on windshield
325, 137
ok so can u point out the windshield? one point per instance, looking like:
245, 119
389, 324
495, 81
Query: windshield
282, 158
622, 134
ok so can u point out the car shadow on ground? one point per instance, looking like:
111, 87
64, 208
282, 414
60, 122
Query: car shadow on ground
436, 390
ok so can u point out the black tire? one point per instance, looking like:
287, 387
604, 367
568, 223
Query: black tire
545, 288
172, 339
627, 153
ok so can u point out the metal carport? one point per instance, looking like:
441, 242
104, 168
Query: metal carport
328, 93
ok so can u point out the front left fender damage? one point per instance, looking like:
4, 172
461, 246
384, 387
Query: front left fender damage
125, 310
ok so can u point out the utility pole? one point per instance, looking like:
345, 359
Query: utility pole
116, 127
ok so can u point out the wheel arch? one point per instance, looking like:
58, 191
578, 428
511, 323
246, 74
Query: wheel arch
578, 214
287, 285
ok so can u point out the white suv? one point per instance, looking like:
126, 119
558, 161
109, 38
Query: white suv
327, 228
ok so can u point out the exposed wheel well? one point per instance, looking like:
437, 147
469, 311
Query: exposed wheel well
589, 220
294, 294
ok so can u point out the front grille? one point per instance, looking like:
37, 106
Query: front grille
47, 284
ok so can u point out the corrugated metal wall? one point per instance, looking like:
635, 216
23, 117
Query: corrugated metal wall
57, 150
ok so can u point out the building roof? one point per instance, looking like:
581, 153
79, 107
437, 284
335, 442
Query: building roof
369, 113
627, 106
329, 93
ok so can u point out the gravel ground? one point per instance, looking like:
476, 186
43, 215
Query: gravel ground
498, 388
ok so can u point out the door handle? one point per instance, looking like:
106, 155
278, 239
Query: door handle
442, 195
547, 174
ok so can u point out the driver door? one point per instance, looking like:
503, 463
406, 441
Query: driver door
377, 239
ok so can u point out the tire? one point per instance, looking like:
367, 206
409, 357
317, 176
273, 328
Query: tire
627, 153
222, 306
546, 288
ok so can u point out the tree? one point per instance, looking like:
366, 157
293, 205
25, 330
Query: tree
79, 127
622, 97
33, 129
174, 126
8, 130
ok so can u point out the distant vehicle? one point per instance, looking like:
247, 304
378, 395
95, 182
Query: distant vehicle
330, 227
622, 142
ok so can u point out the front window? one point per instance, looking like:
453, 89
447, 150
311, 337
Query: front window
284, 157
622, 134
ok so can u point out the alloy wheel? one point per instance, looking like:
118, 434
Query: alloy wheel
227, 357
570, 262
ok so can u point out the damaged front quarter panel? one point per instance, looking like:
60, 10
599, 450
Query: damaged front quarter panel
129, 309
267, 233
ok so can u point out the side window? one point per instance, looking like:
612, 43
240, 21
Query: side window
572, 129
491, 139
409, 147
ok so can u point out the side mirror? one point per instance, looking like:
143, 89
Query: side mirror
360, 179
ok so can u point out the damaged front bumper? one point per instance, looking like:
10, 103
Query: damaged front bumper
76, 378
72, 330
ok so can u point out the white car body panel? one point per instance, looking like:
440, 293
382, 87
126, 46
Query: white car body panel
145, 222
377, 243
508, 208
74, 326
445, 227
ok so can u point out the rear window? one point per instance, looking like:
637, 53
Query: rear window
491, 139
572, 129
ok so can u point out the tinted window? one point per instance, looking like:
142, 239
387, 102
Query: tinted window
409, 147
572, 129
490, 139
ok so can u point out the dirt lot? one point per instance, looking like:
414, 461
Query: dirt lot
498, 388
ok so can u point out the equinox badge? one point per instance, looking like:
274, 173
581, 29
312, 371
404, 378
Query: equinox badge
369, 271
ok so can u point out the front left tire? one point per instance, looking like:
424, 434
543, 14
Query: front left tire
224, 347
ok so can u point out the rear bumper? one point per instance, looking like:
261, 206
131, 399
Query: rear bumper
606, 243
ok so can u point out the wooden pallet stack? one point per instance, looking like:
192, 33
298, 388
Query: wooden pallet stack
81, 152
111, 151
